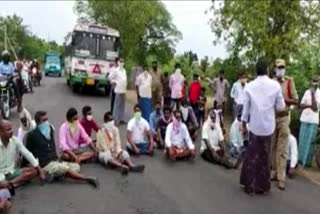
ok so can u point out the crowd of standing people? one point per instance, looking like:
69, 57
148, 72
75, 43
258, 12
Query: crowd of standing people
170, 118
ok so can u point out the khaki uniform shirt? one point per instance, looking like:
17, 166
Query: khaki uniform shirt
156, 82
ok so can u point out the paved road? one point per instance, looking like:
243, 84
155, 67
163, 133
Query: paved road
165, 187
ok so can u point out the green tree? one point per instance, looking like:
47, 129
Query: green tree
145, 27
265, 28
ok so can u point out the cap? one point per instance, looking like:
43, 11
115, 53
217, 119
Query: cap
280, 62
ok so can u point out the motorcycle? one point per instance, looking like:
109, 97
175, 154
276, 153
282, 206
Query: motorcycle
36, 76
7, 97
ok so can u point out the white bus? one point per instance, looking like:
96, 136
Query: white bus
88, 55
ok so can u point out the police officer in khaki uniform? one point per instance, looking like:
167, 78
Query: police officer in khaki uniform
156, 84
281, 136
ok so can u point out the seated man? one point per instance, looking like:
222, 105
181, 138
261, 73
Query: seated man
70, 134
10, 149
41, 144
27, 125
87, 122
138, 131
162, 126
154, 119
178, 142
189, 118
212, 148
237, 146
109, 148
292, 156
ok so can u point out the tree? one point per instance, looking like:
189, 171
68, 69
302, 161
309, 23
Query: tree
265, 28
24, 43
204, 64
145, 27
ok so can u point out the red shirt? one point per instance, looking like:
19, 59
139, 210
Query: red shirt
194, 92
88, 127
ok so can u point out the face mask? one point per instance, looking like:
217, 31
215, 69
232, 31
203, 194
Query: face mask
315, 84
280, 72
155, 67
73, 127
121, 64
137, 115
109, 125
45, 129
89, 117
221, 78
178, 71
243, 81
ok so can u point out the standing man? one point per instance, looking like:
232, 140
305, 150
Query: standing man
112, 69
237, 92
280, 141
143, 87
166, 93
310, 104
220, 87
156, 84
176, 85
195, 92
119, 78
261, 97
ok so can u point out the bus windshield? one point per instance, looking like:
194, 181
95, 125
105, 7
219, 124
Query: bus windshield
90, 45
53, 60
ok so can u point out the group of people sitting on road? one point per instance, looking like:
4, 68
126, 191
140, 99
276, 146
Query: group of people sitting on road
172, 127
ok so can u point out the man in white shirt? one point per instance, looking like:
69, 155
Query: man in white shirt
10, 148
292, 158
212, 144
310, 105
220, 87
140, 139
261, 98
119, 77
176, 84
237, 90
177, 141
143, 88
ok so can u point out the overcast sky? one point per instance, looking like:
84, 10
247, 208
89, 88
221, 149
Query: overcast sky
54, 19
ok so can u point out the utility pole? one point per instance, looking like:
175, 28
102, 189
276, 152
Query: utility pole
5, 37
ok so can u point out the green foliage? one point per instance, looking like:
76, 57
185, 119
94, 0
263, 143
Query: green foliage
145, 27
265, 28
24, 43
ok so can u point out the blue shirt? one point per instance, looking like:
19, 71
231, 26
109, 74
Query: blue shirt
154, 120
6, 69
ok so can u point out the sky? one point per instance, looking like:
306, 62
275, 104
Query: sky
54, 19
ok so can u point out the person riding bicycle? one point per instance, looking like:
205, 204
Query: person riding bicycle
8, 70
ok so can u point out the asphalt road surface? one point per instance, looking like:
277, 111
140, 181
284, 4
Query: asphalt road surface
165, 187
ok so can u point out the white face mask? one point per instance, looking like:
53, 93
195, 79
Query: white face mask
109, 124
89, 117
121, 64
280, 72
178, 71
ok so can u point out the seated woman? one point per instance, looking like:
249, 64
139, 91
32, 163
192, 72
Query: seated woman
178, 142
189, 118
212, 148
109, 148
140, 139
162, 126
70, 136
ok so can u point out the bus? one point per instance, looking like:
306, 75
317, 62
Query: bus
52, 64
89, 53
